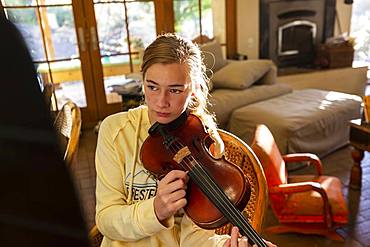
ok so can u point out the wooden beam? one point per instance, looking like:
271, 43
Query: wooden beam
231, 33
163, 17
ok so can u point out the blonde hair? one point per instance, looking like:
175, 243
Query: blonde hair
171, 48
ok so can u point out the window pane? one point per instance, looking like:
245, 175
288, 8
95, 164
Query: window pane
106, 1
67, 79
142, 29
141, 24
62, 36
19, 2
26, 21
186, 18
114, 68
34, 2
360, 28
207, 19
54, 2
111, 28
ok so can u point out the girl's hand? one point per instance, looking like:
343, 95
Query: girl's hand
170, 194
235, 241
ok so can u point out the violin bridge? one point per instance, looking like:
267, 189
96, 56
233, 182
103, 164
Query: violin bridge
181, 154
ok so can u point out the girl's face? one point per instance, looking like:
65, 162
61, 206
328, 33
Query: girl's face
167, 89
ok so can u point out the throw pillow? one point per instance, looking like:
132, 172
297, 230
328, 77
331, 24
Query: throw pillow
212, 55
241, 74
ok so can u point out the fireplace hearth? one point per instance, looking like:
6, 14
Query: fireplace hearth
291, 30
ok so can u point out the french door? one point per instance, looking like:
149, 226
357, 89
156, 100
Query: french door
84, 47
49, 28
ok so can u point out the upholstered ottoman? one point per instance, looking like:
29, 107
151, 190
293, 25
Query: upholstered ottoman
309, 120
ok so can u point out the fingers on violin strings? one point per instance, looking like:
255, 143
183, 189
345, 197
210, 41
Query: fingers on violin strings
180, 184
173, 176
178, 174
243, 242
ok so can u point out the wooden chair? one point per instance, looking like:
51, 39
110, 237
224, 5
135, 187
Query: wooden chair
238, 153
47, 93
68, 125
308, 204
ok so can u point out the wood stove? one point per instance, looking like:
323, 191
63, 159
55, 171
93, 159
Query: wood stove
291, 30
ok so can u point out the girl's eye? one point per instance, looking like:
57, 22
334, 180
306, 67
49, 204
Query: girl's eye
176, 91
152, 88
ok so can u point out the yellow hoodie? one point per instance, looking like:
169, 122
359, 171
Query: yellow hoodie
125, 191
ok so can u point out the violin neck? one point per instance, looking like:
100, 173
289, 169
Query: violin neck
213, 192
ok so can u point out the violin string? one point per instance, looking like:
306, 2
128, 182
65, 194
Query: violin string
208, 184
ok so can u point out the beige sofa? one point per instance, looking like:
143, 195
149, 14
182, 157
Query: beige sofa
244, 93
235, 84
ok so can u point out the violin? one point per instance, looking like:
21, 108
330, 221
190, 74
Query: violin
217, 190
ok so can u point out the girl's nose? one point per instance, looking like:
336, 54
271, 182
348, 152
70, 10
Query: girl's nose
163, 100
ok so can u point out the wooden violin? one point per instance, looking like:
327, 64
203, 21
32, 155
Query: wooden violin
217, 191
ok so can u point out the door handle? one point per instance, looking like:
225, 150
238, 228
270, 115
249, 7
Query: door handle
81, 37
94, 38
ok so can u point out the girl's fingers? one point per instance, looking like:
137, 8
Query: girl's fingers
174, 175
234, 236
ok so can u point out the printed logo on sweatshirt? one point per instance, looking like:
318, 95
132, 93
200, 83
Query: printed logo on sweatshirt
144, 186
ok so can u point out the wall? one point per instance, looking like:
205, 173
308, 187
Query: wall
248, 29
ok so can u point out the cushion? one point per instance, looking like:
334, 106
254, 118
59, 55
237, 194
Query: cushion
241, 74
212, 56
225, 101
311, 210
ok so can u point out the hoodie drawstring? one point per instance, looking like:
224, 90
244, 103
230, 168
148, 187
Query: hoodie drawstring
137, 132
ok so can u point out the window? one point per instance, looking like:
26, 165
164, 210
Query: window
193, 18
85, 47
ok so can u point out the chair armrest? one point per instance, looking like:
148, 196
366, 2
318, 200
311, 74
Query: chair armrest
299, 157
303, 187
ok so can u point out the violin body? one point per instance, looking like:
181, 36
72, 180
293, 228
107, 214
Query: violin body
229, 177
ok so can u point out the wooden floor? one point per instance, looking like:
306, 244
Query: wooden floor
356, 233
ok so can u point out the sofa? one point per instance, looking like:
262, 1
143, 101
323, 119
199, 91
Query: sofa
234, 84
244, 93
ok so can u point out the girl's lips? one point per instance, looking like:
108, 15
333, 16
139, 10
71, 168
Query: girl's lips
162, 114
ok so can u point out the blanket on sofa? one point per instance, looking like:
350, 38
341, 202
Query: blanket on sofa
310, 120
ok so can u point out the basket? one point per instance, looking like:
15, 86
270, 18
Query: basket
336, 56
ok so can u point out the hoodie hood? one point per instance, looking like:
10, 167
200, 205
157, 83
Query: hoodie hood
138, 114
140, 119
